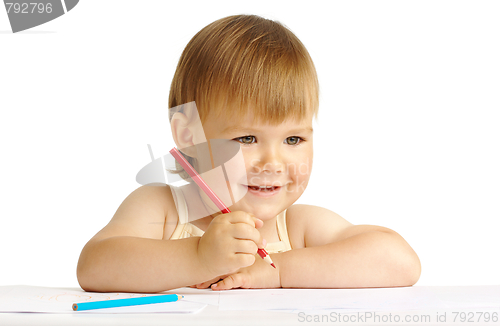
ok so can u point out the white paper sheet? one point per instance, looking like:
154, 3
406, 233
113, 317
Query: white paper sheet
23, 298
375, 299
206, 296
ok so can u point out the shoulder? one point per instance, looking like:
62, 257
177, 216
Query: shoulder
310, 225
143, 213
161, 196
157, 196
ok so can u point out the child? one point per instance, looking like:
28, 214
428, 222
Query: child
254, 83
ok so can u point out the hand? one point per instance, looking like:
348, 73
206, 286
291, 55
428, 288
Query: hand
230, 243
260, 275
209, 283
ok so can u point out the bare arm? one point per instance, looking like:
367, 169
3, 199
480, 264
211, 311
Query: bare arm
336, 254
129, 255
368, 259
132, 264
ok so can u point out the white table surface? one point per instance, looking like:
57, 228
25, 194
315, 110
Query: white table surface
211, 315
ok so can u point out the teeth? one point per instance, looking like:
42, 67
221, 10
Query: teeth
262, 187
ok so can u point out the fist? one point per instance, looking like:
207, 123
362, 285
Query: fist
230, 243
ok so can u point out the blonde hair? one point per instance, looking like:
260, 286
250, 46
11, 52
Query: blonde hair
246, 62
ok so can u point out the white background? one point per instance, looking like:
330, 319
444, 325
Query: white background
407, 137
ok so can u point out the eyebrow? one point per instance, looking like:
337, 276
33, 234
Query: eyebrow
242, 129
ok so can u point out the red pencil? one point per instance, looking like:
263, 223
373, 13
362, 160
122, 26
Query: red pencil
201, 183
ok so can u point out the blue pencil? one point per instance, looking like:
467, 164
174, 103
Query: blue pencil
126, 302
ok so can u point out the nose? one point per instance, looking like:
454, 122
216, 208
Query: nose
270, 161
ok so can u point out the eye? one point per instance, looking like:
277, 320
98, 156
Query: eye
294, 140
247, 140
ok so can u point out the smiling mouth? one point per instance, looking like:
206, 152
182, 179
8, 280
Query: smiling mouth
264, 189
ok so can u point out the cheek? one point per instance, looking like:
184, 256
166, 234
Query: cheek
303, 171
301, 168
253, 165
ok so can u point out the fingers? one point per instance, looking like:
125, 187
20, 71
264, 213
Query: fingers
230, 282
241, 217
243, 227
204, 285
229, 243
258, 223
244, 260
242, 231
207, 284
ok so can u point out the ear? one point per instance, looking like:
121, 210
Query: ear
181, 131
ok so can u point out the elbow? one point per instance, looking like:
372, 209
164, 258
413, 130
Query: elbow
407, 271
409, 267
413, 269
86, 271
406, 267
82, 274
83, 277
82, 280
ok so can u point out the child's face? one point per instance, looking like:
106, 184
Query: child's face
280, 156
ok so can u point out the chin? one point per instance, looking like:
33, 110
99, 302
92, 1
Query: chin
266, 213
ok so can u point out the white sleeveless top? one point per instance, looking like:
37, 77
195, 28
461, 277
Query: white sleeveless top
184, 229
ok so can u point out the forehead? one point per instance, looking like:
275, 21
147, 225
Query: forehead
286, 127
248, 123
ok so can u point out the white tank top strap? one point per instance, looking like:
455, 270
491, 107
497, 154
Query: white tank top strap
284, 243
186, 230
282, 231
182, 213
191, 230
